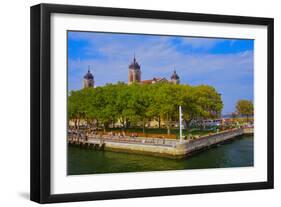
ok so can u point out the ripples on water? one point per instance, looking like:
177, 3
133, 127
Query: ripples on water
237, 153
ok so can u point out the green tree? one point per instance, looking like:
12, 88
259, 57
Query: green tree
153, 110
245, 108
139, 103
76, 107
201, 102
168, 100
122, 101
105, 104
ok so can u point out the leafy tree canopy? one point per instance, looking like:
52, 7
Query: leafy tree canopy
245, 107
131, 104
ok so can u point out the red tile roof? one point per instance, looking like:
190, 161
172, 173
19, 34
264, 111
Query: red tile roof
154, 80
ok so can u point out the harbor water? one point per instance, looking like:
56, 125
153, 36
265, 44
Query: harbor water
236, 153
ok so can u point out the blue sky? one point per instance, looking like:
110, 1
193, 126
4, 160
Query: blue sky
226, 64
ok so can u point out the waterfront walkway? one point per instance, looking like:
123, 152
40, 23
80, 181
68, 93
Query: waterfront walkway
155, 146
133, 140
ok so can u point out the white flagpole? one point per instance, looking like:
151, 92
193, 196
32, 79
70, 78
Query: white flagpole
180, 123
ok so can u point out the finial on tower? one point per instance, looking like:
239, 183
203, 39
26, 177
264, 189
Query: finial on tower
134, 57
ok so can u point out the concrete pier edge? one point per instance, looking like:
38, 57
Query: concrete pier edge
179, 151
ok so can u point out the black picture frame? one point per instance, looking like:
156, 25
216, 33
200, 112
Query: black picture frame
41, 95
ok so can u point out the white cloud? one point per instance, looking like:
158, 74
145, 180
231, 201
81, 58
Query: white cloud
202, 43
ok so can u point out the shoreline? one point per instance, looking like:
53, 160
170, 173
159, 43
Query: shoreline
163, 148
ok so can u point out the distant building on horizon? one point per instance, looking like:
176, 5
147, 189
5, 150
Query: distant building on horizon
134, 75
154, 80
88, 81
175, 78
134, 72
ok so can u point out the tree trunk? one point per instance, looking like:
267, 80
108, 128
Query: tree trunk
187, 122
75, 123
168, 130
143, 126
159, 122
87, 123
128, 123
168, 125
97, 124
123, 123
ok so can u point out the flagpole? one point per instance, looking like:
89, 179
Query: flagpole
180, 113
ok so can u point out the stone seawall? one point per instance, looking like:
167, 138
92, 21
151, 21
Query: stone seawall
249, 130
192, 146
156, 150
163, 148
179, 150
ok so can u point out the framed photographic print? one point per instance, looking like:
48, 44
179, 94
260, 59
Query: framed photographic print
133, 103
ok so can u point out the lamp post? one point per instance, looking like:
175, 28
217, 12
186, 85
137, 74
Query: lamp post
180, 120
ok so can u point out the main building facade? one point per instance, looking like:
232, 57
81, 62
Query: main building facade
134, 76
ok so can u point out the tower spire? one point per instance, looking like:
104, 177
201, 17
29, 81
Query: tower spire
134, 71
88, 81
175, 78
